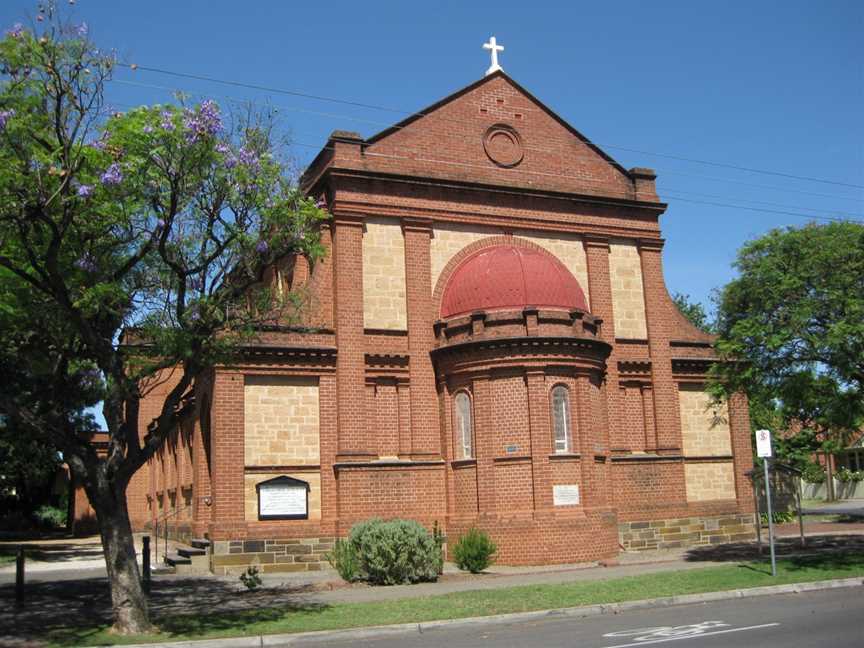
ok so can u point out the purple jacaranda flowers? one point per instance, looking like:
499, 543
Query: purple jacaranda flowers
205, 120
321, 204
85, 191
167, 120
112, 175
249, 158
82, 29
4, 117
16, 31
262, 247
87, 263
147, 129
222, 149
160, 223
102, 142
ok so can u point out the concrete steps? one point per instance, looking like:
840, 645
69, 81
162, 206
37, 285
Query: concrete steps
194, 560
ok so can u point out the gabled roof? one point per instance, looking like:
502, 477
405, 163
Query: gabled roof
420, 114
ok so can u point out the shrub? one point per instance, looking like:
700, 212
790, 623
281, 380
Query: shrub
250, 578
394, 552
50, 517
343, 559
474, 551
845, 475
779, 517
814, 473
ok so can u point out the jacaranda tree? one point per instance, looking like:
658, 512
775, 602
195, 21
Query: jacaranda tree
130, 243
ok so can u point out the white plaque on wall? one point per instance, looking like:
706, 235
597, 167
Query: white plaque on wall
565, 494
283, 498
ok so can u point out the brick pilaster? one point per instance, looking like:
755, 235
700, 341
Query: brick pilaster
648, 418
742, 449
351, 360
600, 286
589, 436
484, 444
541, 439
228, 454
328, 444
202, 488
667, 417
425, 432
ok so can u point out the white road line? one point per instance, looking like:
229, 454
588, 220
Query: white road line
693, 636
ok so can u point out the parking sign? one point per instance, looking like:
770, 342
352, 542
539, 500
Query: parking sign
763, 443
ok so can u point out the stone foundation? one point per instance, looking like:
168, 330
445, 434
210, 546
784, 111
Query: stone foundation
686, 532
294, 555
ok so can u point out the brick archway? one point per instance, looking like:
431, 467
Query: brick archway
471, 248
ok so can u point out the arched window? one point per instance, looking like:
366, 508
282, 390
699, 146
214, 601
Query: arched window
561, 419
464, 436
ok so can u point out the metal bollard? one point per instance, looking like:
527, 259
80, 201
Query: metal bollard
145, 564
19, 574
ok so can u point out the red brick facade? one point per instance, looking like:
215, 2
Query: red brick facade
388, 439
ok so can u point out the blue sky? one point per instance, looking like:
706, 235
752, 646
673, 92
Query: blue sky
777, 86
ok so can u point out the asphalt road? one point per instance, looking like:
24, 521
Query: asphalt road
828, 618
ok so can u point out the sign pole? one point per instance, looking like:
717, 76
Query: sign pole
763, 450
770, 517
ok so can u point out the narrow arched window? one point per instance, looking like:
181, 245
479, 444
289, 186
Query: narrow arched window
561, 418
464, 436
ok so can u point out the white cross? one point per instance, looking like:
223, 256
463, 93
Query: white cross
493, 48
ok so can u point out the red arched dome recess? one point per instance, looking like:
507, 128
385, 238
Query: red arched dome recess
505, 276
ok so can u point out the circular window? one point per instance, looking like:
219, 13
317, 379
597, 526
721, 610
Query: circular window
503, 145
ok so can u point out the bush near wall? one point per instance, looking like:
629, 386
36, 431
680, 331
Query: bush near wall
391, 552
474, 551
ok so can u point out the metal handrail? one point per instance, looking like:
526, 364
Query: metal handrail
163, 518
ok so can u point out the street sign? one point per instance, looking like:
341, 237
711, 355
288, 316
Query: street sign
763, 443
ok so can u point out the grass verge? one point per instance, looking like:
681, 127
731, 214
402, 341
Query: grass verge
304, 618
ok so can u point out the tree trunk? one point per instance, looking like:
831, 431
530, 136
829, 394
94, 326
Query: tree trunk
128, 601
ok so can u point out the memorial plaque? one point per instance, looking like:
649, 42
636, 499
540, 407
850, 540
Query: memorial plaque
565, 495
283, 498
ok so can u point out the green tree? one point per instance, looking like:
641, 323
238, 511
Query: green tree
693, 311
791, 328
130, 244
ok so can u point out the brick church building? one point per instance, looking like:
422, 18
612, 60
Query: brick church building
488, 342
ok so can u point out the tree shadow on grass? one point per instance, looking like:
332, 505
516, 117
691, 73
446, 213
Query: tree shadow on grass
818, 546
191, 627
75, 612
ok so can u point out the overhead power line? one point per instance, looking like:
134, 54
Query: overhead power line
357, 104
462, 137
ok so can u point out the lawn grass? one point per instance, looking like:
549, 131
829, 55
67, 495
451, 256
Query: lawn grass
304, 618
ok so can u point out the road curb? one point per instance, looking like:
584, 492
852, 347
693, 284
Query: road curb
310, 638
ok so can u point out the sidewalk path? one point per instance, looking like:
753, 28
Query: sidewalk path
852, 507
